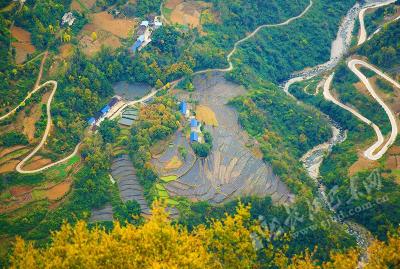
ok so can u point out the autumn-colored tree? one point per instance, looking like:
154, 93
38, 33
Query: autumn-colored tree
385, 254
156, 244
226, 243
94, 36
66, 37
159, 84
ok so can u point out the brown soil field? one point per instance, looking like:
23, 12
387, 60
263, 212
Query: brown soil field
174, 163
171, 4
90, 48
205, 114
391, 162
362, 164
187, 13
8, 166
361, 88
59, 190
28, 122
37, 162
118, 27
23, 46
88, 3
5, 151
394, 150
76, 6
20, 190
66, 51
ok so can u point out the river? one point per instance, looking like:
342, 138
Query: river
313, 159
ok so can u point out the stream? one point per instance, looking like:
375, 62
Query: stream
313, 159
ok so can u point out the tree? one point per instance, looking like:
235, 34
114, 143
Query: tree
109, 130
201, 149
94, 36
156, 244
66, 37
226, 243
13, 138
159, 84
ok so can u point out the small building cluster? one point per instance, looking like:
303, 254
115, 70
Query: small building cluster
183, 108
99, 116
129, 116
144, 32
68, 18
195, 125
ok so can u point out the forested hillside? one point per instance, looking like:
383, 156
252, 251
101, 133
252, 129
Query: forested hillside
159, 243
383, 50
277, 52
357, 182
206, 130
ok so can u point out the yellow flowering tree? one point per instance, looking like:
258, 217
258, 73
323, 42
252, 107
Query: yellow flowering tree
158, 243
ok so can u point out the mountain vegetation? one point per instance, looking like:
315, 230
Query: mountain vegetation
258, 235
233, 242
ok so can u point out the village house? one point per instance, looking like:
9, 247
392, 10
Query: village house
183, 108
68, 18
195, 125
144, 32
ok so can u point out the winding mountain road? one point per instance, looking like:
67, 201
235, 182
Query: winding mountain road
363, 32
19, 168
380, 143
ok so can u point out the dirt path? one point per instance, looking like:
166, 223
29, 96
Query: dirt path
35, 89
39, 78
236, 45
46, 133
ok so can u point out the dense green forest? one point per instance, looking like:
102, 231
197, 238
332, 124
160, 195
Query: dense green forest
383, 50
276, 52
279, 221
376, 18
343, 84
284, 130
236, 18
365, 188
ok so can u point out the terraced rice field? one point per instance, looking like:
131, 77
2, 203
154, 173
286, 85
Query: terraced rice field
162, 162
129, 186
102, 214
231, 170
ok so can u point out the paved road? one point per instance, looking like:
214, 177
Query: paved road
370, 152
363, 32
45, 135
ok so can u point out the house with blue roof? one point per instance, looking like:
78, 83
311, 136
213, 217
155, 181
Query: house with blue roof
183, 108
194, 137
136, 46
105, 109
193, 123
91, 121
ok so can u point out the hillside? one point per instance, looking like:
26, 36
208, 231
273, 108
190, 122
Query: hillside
253, 123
